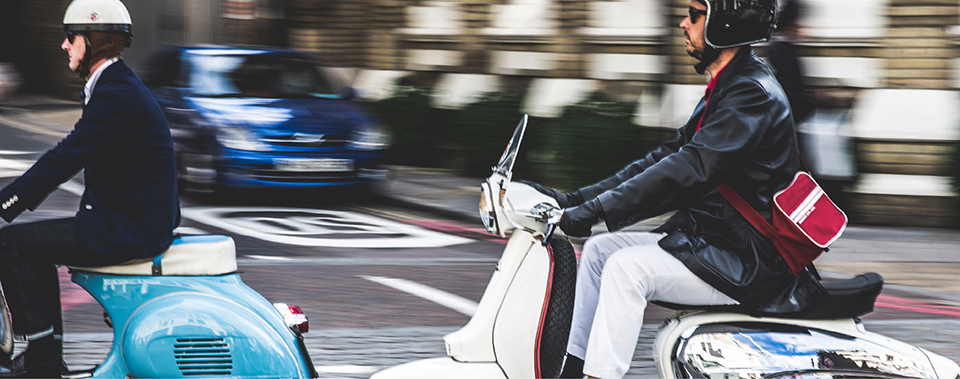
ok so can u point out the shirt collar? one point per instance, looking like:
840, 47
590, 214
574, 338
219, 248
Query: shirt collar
92, 82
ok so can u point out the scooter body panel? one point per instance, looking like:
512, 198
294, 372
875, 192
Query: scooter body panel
162, 323
442, 368
473, 342
518, 322
715, 343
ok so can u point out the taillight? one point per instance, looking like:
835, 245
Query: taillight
293, 316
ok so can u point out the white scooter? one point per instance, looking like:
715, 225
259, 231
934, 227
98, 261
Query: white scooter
522, 323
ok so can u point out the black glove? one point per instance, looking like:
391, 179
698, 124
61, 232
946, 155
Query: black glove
565, 200
577, 221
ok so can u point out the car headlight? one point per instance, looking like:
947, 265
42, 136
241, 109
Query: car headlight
371, 138
239, 138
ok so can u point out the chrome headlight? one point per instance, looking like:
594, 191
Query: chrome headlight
240, 138
371, 138
488, 214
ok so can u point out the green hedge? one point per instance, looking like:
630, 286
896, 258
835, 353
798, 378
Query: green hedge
593, 140
590, 141
417, 134
482, 129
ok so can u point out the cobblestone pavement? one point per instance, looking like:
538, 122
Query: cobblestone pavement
358, 353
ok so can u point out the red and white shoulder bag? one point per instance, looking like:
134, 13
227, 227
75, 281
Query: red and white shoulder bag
805, 220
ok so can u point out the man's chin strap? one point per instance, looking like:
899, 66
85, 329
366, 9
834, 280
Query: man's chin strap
709, 55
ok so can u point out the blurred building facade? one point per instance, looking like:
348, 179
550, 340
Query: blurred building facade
897, 63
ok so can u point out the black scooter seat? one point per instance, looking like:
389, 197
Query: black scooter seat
845, 298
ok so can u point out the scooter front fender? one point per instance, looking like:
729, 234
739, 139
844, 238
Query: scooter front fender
188, 334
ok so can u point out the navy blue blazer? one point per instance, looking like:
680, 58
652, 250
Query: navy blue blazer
122, 142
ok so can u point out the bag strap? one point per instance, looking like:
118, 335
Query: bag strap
747, 211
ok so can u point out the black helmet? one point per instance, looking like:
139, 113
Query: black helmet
733, 23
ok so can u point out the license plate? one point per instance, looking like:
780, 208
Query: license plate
315, 165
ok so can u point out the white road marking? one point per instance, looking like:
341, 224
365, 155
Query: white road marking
346, 369
16, 152
18, 164
189, 230
15, 167
72, 187
10, 173
449, 300
319, 227
269, 258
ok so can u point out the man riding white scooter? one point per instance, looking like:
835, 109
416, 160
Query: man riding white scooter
741, 133
130, 205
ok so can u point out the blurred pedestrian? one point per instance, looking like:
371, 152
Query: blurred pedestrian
784, 60
826, 153
130, 205
9, 81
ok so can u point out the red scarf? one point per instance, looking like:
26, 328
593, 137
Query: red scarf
706, 96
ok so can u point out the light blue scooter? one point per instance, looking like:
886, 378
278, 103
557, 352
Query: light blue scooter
186, 313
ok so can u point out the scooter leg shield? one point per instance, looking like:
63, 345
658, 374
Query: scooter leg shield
533, 324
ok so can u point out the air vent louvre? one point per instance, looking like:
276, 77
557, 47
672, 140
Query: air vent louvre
203, 356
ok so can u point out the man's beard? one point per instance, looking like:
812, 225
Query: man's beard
696, 51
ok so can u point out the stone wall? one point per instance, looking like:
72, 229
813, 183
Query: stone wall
895, 62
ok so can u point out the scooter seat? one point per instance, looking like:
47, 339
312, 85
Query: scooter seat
188, 256
845, 298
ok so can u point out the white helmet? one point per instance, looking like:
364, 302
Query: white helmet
97, 16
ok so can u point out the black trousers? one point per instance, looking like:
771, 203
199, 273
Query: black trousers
29, 253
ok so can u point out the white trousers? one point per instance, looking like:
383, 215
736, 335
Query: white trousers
618, 274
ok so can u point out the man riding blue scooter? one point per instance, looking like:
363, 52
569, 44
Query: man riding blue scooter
130, 205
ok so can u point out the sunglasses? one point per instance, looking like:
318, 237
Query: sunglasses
696, 13
71, 37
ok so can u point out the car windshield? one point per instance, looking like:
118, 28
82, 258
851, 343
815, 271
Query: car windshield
262, 75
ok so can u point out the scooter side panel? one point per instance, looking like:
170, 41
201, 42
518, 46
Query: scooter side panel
829, 344
515, 331
472, 343
945, 367
441, 368
145, 309
187, 334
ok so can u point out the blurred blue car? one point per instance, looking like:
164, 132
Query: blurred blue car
259, 117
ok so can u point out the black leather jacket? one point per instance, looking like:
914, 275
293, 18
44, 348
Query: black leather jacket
747, 139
